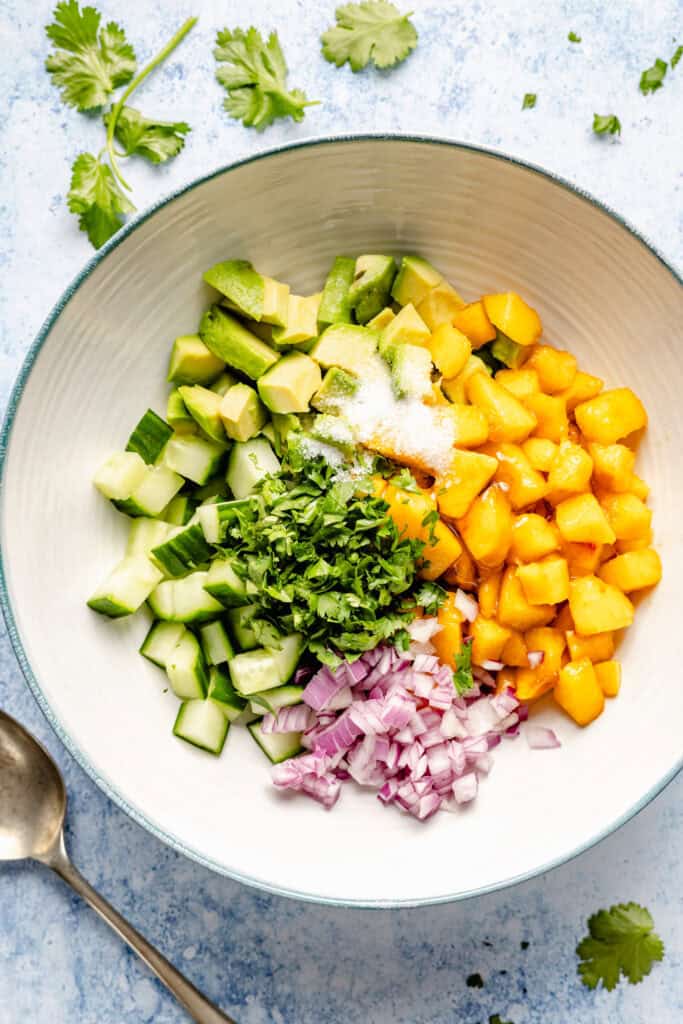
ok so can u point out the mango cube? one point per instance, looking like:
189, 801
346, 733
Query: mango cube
597, 606
582, 519
470, 425
608, 674
488, 640
448, 640
508, 419
540, 452
534, 682
525, 484
556, 369
450, 349
545, 582
489, 587
633, 570
583, 387
519, 383
578, 691
511, 315
612, 466
570, 472
596, 648
409, 511
513, 608
467, 476
486, 528
515, 651
628, 516
551, 416
474, 323
533, 537
645, 541
582, 559
440, 305
610, 416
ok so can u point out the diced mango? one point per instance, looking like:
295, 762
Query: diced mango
473, 321
534, 682
488, 640
470, 425
551, 416
454, 388
608, 675
525, 484
505, 680
463, 572
379, 486
508, 419
598, 607
582, 519
582, 559
610, 416
633, 570
448, 640
596, 648
511, 315
440, 305
468, 475
515, 652
529, 685
628, 516
545, 582
564, 621
556, 369
409, 511
519, 383
513, 608
612, 466
533, 537
570, 472
486, 528
583, 387
489, 586
578, 691
450, 349
540, 452
639, 487
637, 544
436, 396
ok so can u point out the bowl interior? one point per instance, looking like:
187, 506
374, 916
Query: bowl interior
490, 225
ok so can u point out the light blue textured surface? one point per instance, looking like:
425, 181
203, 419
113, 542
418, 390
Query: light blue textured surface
266, 959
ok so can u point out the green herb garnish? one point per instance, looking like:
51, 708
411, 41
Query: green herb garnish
676, 57
529, 101
573, 38
429, 597
653, 78
254, 74
156, 141
463, 680
606, 124
620, 941
373, 31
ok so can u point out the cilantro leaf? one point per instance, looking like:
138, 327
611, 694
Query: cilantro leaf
87, 64
529, 101
653, 78
606, 124
463, 679
573, 38
254, 73
497, 1019
97, 199
156, 141
676, 57
430, 596
620, 940
373, 30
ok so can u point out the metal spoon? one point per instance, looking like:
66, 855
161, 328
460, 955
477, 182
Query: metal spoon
32, 810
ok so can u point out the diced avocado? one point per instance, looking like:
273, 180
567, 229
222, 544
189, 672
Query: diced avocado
248, 292
203, 405
302, 321
178, 416
440, 305
225, 381
230, 340
290, 384
508, 351
335, 307
407, 327
333, 430
382, 320
192, 362
347, 346
411, 371
283, 424
371, 286
336, 388
242, 412
268, 431
414, 280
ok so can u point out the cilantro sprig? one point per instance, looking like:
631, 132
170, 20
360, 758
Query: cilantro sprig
620, 941
254, 73
373, 31
463, 680
529, 101
653, 78
606, 124
87, 65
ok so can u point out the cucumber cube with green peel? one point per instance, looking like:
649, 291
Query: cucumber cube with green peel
223, 693
145, 534
195, 458
223, 583
216, 643
192, 362
277, 746
290, 384
180, 510
186, 668
126, 588
157, 488
149, 437
242, 412
201, 723
240, 619
184, 600
231, 341
160, 642
118, 477
185, 550
248, 463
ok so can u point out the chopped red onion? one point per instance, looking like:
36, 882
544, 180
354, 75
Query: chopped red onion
465, 788
294, 719
539, 737
422, 630
466, 605
535, 658
492, 666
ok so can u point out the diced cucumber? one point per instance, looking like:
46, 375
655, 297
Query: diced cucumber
186, 669
120, 475
277, 746
224, 695
203, 724
160, 642
239, 619
178, 416
145, 534
159, 486
149, 437
126, 588
192, 363
184, 600
266, 667
273, 700
248, 463
335, 307
223, 583
184, 551
214, 518
216, 643
180, 510
195, 458
215, 487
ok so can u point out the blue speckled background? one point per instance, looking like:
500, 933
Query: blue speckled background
267, 959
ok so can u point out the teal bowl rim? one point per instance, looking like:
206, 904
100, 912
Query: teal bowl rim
5, 602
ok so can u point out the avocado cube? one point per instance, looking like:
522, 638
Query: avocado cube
289, 385
333, 430
347, 346
411, 371
371, 286
242, 412
335, 307
248, 292
508, 351
204, 405
337, 387
407, 327
225, 381
302, 322
382, 320
178, 416
440, 305
415, 279
192, 362
230, 340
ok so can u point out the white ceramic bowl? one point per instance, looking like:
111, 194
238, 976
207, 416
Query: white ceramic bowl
490, 224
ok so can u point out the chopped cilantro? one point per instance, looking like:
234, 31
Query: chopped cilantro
676, 57
573, 38
606, 124
620, 941
529, 101
653, 78
463, 679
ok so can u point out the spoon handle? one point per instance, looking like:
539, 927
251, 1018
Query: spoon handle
198, 1006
